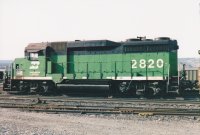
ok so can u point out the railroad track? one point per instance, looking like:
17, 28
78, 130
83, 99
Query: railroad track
64, 98
49, 108
116, 102
101, 106
125, 102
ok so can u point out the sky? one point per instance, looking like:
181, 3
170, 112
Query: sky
30, 21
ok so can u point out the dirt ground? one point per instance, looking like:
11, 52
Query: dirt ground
14, 122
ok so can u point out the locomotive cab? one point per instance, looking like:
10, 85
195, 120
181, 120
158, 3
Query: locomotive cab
28, 73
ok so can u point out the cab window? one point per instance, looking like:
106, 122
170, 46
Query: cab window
33, 56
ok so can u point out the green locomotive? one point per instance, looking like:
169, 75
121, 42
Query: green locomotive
137, 66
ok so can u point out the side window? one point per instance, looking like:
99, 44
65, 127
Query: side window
17, 66
33, 56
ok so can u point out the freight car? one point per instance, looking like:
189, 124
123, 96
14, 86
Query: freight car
1, 75
137, 66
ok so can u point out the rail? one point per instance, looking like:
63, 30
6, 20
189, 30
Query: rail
53, 105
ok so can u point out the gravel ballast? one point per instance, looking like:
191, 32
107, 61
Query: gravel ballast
14, 122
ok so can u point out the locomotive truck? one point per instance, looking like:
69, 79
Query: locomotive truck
137, 66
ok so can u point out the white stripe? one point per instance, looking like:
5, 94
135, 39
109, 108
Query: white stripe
34, 78
111, 77
148, 78
137, 78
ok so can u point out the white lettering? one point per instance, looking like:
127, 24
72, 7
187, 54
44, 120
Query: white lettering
149, 63
142, 63
134, 63
160, 63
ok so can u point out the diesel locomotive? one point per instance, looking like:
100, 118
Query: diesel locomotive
137, 66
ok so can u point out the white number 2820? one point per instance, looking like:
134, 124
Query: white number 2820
142, 63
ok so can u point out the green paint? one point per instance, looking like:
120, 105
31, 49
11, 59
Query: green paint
99, 66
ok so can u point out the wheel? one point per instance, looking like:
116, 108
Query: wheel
123, 87
43, 89
46, 88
